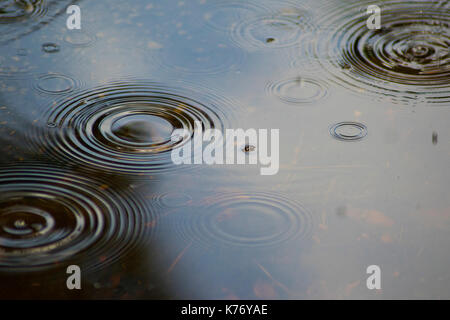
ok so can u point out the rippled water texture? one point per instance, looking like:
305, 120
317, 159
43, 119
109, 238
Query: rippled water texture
48, 216
20, 17
243, 220
127, 126
282, 27
87, 122
298, 90
348, 131
55, 84
408, 58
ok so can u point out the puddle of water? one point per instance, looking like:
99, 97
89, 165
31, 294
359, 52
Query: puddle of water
86, 177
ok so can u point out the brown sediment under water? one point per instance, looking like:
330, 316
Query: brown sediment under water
86, 135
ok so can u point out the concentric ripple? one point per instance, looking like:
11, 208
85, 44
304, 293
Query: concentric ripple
18, 10
407, 58
55, 84
244, 220
15, 66
20, 17
171, 199
50, 216
348, 131
298, 90
224, 15
127, 126
283, 27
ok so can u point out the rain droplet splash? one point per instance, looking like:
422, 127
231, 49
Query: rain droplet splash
12, 11
298, 90
408, 57
21, 17
283, 27
50, 47
50, 215
127, 126
348, 131
244, 220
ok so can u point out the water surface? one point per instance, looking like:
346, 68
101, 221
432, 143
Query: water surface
86, 177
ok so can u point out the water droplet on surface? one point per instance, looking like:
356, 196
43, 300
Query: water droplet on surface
50, 47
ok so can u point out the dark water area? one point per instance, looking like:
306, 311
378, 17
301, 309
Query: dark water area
87, 179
